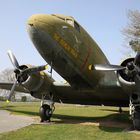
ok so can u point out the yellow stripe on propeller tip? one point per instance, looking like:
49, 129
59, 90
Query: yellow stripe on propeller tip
7, 101
46, 67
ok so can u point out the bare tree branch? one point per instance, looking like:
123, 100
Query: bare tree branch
132, 30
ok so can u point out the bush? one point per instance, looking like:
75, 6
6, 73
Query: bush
2, 98
24, 99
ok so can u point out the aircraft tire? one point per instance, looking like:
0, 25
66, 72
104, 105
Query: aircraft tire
136, 120
45, 113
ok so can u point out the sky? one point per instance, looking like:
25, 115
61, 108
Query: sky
102, 19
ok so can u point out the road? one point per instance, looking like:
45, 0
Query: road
10, 122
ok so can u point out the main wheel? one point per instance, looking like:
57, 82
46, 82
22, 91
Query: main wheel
45, 113
136, 118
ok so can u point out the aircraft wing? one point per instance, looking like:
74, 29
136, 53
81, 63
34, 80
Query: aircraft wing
8, 86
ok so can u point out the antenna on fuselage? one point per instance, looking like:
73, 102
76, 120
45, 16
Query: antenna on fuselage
51, 70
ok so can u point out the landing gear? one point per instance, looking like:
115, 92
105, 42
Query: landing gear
120, 110
46, 110
45, 113
134, 112
136, 118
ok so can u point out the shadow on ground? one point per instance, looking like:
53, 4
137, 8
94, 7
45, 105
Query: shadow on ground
12, 109
115, 122
31, 113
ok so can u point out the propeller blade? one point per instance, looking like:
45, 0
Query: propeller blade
13, 59
137, 59
35, 69
12, 91
107, 67
137, 82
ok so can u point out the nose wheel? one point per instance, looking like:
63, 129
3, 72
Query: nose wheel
46, 110
45, 113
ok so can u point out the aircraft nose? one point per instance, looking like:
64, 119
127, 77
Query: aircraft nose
40, 28
32, 19
41, 22
37, 19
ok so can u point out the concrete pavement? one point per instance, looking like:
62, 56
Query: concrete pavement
10, 122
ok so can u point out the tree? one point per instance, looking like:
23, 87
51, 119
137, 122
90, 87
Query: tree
132, 31
6, 75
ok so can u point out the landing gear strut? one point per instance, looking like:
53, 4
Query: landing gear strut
135, 112
46, 110
120, 110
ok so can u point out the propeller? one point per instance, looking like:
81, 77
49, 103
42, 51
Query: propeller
20, 74
107, 67
132, 70
12, 91
137, 59
13, 59
137, 72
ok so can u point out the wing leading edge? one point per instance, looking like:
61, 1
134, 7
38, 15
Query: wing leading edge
8, 86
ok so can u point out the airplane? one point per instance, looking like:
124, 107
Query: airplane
72, 53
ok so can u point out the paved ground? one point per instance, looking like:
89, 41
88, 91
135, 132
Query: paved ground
9, 122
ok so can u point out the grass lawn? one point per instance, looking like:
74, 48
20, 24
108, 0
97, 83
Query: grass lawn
71, 122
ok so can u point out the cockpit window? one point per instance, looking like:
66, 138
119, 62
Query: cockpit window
73, 24
76, 25
70, 21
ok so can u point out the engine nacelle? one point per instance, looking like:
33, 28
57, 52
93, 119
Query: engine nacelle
38, 82
125, 81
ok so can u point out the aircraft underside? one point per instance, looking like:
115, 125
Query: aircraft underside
101, 96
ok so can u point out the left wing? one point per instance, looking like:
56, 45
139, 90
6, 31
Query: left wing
8, 86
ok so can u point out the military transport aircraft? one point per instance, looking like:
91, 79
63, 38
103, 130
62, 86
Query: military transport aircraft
70, 51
